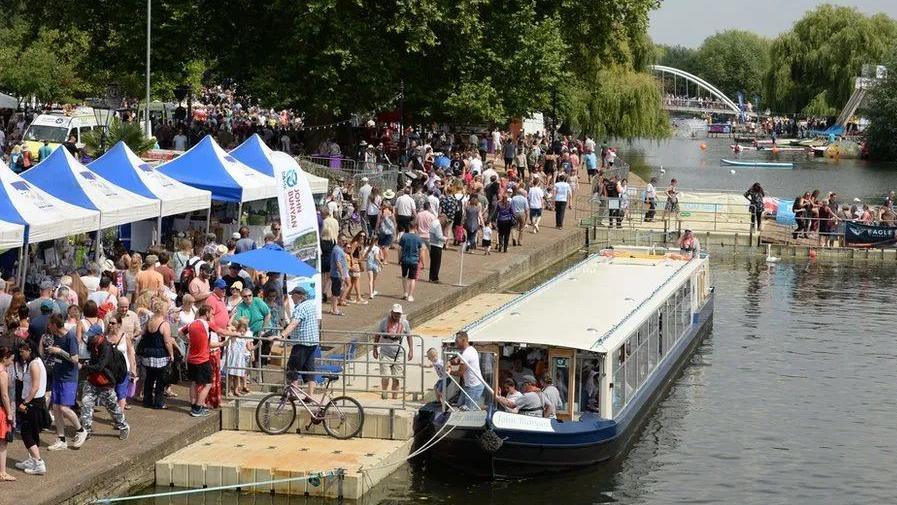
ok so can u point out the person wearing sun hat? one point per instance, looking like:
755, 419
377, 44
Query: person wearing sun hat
388, 348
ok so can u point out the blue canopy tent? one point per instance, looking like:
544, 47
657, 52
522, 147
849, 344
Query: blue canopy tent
272, 258
254, 153
207, 166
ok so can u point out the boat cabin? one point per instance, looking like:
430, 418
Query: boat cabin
600, 332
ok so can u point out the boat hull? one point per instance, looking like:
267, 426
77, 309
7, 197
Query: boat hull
757, 164
588, 441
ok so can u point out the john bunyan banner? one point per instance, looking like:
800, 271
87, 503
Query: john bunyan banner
298, 221
862, 235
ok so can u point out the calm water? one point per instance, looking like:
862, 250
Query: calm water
683, 159
792, 398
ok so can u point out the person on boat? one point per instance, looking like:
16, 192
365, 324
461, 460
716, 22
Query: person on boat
511, 395
689, 245
518, 371
469, 369
530, 403
551, 397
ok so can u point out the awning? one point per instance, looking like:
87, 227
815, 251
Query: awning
64, 177
8, 102
207, 166
122, 167
45, 217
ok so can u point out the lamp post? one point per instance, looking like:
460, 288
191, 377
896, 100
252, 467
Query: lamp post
104, 108
146, 110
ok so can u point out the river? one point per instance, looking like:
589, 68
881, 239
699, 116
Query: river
791, 398
698, 169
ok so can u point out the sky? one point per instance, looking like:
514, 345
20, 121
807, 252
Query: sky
689, 22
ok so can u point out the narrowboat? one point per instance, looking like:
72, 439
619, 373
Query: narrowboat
611, 333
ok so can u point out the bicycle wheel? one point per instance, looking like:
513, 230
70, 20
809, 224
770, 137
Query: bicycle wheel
275, 413
343, 417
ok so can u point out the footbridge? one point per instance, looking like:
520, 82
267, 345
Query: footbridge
715, 102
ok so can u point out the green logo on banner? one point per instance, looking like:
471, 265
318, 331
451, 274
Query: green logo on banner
290, 178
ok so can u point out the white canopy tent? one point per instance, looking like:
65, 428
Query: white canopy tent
66, 178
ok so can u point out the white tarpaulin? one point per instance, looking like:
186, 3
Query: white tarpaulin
46, 217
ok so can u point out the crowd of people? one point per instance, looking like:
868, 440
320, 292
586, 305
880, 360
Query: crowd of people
825, 217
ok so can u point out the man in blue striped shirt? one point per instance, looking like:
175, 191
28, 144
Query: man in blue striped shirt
303, 333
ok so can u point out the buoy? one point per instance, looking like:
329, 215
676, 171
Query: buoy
703, 147
812, 254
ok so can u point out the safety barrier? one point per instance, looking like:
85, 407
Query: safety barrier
344, 357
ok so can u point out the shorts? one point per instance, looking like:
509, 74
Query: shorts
336, 286
409, 270
200, 373
391, 366
384, 239
64, 393
403, 223
592, 172
439, 385
672, 206
354, 275
534, 213
487, 243
302, 359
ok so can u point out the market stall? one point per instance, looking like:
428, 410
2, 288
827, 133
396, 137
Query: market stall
124, 168
64, 177
44, 216
207, 166
256, 154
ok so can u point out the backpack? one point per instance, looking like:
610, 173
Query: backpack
119, 366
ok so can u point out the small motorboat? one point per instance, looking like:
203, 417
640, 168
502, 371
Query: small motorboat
756, 163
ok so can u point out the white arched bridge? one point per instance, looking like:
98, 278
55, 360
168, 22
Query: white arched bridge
714, 101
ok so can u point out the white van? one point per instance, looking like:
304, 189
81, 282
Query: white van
56, 127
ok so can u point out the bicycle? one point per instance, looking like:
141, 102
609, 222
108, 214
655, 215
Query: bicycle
342, 416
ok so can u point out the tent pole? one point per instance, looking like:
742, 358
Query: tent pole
97, 245
159, 229
20, 270
208, 218
239, 214
24, 268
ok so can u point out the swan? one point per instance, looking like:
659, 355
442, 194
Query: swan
769, 257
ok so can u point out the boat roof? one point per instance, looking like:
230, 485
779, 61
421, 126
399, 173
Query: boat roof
594, 306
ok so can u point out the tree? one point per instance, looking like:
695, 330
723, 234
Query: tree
681, 57
880, 109
733, 61
129, 133
825, 52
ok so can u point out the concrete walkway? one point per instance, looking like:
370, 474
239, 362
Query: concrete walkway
106, 466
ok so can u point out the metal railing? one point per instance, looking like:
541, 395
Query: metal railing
635, 212
340, 163
268, 369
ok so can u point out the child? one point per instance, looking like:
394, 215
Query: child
374, 259
487, 238
441, 374
238, 351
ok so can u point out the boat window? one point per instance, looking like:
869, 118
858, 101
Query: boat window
642, 355
631, 369
661, 347
561, 373
619, 390
650, 345
588, 382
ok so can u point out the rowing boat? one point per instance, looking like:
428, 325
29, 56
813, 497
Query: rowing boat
759, 164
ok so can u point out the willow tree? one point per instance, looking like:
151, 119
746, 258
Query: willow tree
733, 61
818, 60
880, 108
